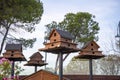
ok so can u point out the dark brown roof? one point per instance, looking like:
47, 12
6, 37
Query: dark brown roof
63, 34
37, 55
14, 47
36, 60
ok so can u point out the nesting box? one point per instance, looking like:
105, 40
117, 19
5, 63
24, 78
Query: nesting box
60, 39
14, 52
90, 50
36, 60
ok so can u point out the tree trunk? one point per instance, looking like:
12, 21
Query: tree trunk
57, 65
4, 38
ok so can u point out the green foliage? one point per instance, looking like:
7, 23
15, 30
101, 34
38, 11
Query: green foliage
25, 42
19, 15
18, 69
81, 25
5, 69
24, 11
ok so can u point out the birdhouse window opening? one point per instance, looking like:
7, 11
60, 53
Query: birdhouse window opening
92, 49
12, 54
93, 52
91, 44
68, 45
52, 44
54, 40
12, 51
54, 34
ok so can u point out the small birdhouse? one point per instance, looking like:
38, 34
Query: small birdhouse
60, 39
90, 50
14, 52
36, 60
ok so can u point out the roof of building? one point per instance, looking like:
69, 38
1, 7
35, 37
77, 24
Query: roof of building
43, 75
14, 47
82, 77
89, 42
63, 34
36, 55
36, 60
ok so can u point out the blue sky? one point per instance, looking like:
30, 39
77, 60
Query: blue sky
107, 14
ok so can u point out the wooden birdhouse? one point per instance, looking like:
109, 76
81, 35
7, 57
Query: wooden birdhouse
36, 60
60, 42
14, 52
90, 50
60, 39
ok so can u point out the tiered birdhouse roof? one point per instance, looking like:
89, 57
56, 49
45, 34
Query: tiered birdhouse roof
36, 60
14, 47
90, 51
60, 41
14, 52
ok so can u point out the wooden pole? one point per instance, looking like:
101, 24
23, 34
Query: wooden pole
12, 70
45, 58
90, 69
35, 68
60, 66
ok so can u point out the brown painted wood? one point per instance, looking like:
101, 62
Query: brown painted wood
43, 75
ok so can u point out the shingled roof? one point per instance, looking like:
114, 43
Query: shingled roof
36, 60
14, 47
92, 41
37, 55
63, 34
43, 75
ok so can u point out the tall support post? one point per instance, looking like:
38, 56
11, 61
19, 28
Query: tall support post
90, 69
60, 66
12, 70
45, 58
35, 68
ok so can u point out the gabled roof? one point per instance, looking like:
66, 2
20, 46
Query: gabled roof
92, 41
43, 75
63, 34
36, 60
36, 55
14, 47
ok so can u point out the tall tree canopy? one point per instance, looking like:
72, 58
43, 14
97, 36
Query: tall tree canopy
17, 15
81, 25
